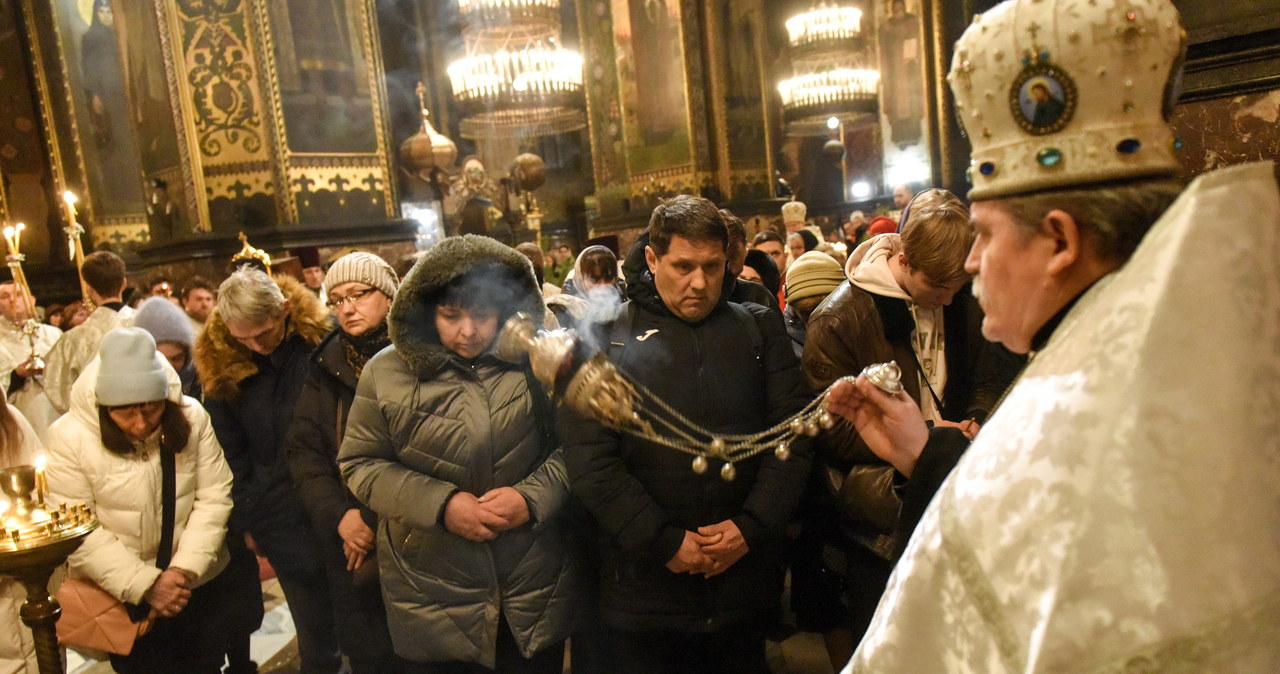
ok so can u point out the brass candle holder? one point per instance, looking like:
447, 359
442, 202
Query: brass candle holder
37, 539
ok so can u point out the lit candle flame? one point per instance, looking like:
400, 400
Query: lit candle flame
42, 483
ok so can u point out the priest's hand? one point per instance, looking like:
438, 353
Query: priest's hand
969, 428
27, 370
508, 504
689, 557
727, 550
464, 516
892, 426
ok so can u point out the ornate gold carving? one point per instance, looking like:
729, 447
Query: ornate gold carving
197, 207
302, 171
118, 232
215, 39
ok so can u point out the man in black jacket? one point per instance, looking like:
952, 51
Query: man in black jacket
688, 563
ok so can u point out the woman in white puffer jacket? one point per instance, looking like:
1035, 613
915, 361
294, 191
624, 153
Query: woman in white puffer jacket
19, 446
126, 408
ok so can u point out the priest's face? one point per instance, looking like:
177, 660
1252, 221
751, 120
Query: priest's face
11, 304
1010, 264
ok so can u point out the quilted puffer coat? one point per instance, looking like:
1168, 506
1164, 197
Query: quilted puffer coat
426, 423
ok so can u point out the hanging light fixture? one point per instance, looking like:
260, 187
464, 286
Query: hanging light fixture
829, 62
516, 80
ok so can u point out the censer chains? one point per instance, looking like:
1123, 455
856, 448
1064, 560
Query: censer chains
597, 389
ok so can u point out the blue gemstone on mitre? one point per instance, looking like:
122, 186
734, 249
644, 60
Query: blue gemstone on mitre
1050, 156
1177, 143
987, 168
1044, 56
1128, 146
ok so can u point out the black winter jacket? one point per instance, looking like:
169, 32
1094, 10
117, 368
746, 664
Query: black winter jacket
644, 497
251, 429
314, 437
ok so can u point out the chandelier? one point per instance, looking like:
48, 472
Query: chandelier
516, 80
830, 73
829, 88
825, 23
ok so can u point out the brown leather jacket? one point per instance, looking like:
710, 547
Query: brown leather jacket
854, 328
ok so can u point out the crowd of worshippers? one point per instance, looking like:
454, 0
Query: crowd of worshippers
427, 506
1054, 488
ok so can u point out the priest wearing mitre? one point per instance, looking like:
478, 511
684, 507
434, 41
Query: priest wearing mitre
1120, 510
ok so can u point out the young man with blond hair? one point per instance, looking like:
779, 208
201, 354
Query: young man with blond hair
905, 302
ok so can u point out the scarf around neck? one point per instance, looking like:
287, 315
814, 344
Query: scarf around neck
360, 348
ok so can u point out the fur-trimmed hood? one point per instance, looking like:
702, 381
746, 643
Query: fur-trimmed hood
224, 362
412, 316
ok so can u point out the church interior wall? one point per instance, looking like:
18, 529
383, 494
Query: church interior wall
241, 121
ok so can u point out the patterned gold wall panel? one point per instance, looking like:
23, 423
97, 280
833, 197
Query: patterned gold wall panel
329, 182
226, 117
334, 189
120, 234
735, 42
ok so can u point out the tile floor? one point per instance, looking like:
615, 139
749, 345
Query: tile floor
275, 649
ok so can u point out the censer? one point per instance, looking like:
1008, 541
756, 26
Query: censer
38, 538
594, 387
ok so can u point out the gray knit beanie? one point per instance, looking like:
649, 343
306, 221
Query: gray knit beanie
165, 321
131, 371
361, 267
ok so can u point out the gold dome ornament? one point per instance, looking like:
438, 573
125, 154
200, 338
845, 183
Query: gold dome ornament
252, 255
427, 151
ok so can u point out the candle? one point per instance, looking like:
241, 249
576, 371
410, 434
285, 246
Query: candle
70, 198
42, 485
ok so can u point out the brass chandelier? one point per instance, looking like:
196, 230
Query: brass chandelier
828, 59
516, 80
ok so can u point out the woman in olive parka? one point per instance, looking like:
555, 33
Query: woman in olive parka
452, 448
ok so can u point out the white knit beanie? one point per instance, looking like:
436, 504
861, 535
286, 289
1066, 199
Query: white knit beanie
361, 267
165, 321
131, 371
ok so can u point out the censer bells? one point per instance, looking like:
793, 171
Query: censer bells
595, 388
37, 538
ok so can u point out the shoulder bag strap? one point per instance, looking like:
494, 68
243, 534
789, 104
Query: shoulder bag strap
168, 498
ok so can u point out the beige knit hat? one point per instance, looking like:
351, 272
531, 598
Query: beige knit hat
361, 267
814, 273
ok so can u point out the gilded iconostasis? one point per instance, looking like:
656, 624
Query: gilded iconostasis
178, 124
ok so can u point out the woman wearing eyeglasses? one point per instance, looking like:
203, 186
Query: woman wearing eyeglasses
358, 288
451, 447
127, 412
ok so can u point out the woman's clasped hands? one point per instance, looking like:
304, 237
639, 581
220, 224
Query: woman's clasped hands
483, 518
